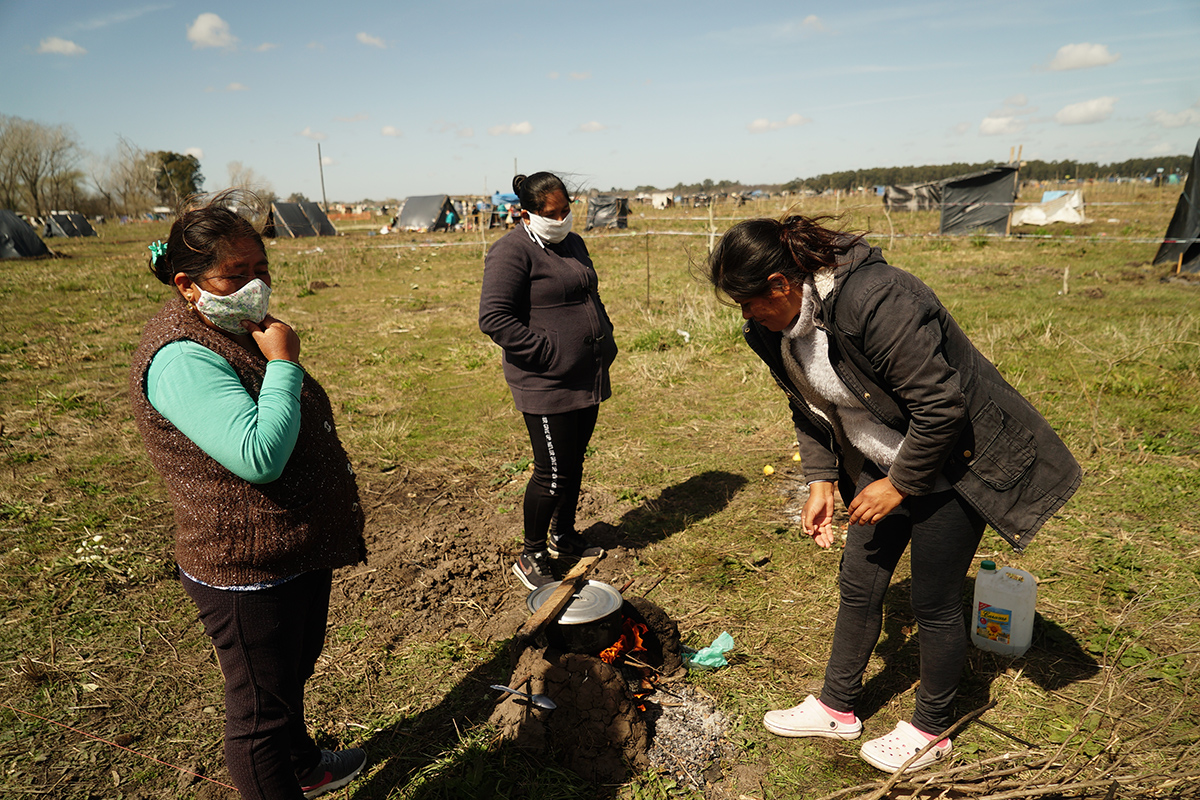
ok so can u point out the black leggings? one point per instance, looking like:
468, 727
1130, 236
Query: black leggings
559, 443
267, 643
944, 532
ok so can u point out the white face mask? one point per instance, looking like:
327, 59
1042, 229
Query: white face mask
227, 311
552, 230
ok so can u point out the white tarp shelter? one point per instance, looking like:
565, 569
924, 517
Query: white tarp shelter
661, 199
1067, 208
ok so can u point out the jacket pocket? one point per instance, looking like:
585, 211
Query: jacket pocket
1004, 448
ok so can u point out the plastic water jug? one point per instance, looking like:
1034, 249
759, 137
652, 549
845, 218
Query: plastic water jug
1003, 609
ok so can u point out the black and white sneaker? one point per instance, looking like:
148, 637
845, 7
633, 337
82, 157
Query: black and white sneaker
573, 547
332, 772
534, 569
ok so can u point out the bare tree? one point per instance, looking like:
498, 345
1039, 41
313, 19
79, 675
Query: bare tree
126, 179
38, 165
243, 177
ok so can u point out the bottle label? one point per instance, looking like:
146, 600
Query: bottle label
995, 623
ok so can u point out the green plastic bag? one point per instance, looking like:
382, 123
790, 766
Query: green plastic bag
712, 656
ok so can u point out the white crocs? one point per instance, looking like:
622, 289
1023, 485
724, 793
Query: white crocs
810, 719
889, 752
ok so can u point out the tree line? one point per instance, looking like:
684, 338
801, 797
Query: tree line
1033, 170
43, 168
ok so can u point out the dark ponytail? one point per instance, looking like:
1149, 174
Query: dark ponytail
794, 246
532, 191
204, 231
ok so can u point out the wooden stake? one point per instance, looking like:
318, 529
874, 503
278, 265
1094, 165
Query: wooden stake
557, 601
1179, 264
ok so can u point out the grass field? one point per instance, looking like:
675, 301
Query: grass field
109, 686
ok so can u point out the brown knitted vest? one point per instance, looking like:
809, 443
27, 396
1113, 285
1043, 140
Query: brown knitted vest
230, 532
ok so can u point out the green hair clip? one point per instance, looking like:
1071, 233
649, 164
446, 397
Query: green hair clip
158, 249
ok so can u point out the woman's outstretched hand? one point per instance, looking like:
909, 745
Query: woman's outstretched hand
275, 339
817, 515
875, 502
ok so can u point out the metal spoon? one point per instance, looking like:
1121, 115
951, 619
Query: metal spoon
539, 700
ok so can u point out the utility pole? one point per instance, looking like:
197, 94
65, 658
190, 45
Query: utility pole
321, 165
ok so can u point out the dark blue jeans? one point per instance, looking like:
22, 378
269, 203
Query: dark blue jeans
559, 443
943, 532
267, 642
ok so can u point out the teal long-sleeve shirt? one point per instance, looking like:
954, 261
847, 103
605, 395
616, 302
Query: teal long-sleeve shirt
200, 394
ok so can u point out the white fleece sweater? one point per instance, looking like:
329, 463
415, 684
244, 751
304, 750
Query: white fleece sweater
806, 357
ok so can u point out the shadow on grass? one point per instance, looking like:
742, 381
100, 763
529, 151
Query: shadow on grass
1054, 660
448, 751
678, 506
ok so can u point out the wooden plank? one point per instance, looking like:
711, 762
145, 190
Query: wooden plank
558, 599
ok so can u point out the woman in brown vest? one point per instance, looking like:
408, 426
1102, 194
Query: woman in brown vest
266, 505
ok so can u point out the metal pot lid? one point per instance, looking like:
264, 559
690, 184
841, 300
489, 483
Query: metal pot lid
595, 600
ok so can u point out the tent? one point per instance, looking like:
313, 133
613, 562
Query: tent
287, 219
317, 218
68, 225
607, 211
1181, 243
18, 239
912, 197
978, 201
1065, 207
661, 200
426, 213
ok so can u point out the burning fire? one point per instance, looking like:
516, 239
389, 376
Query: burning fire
630, 642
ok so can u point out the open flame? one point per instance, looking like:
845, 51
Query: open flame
630, 641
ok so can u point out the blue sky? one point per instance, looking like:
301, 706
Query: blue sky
413, 98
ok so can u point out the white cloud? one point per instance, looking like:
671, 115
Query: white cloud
1087, 112
1016, 101
209, 30
237, 87
371, 41
1001, 126
314, 135
1082, 56
266, 47
592, 127
61, 47
515, 129
362, 117
1187, 117
391, 130
580, 76
812, 22
118, 17
553, 76
961, 128
466, 133
315, 46
326, 160
763, 125
194, 151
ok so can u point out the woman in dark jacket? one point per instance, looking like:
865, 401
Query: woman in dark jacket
923, 436
540, 304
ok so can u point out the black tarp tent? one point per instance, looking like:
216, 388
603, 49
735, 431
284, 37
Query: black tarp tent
912, 197
287, 220
317, 218
979, 201
607, 211
68, 225
18, 239
1181, 243
426, 213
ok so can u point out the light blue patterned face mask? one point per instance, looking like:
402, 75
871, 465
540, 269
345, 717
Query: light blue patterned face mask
227, 311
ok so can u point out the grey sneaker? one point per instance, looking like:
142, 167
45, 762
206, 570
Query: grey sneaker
534, 569
573, 547
332, 772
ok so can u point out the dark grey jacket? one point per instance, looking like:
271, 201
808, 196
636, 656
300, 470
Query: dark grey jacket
894, 345
542, 307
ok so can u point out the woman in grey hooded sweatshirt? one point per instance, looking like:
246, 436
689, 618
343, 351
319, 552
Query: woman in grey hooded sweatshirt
540, 304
